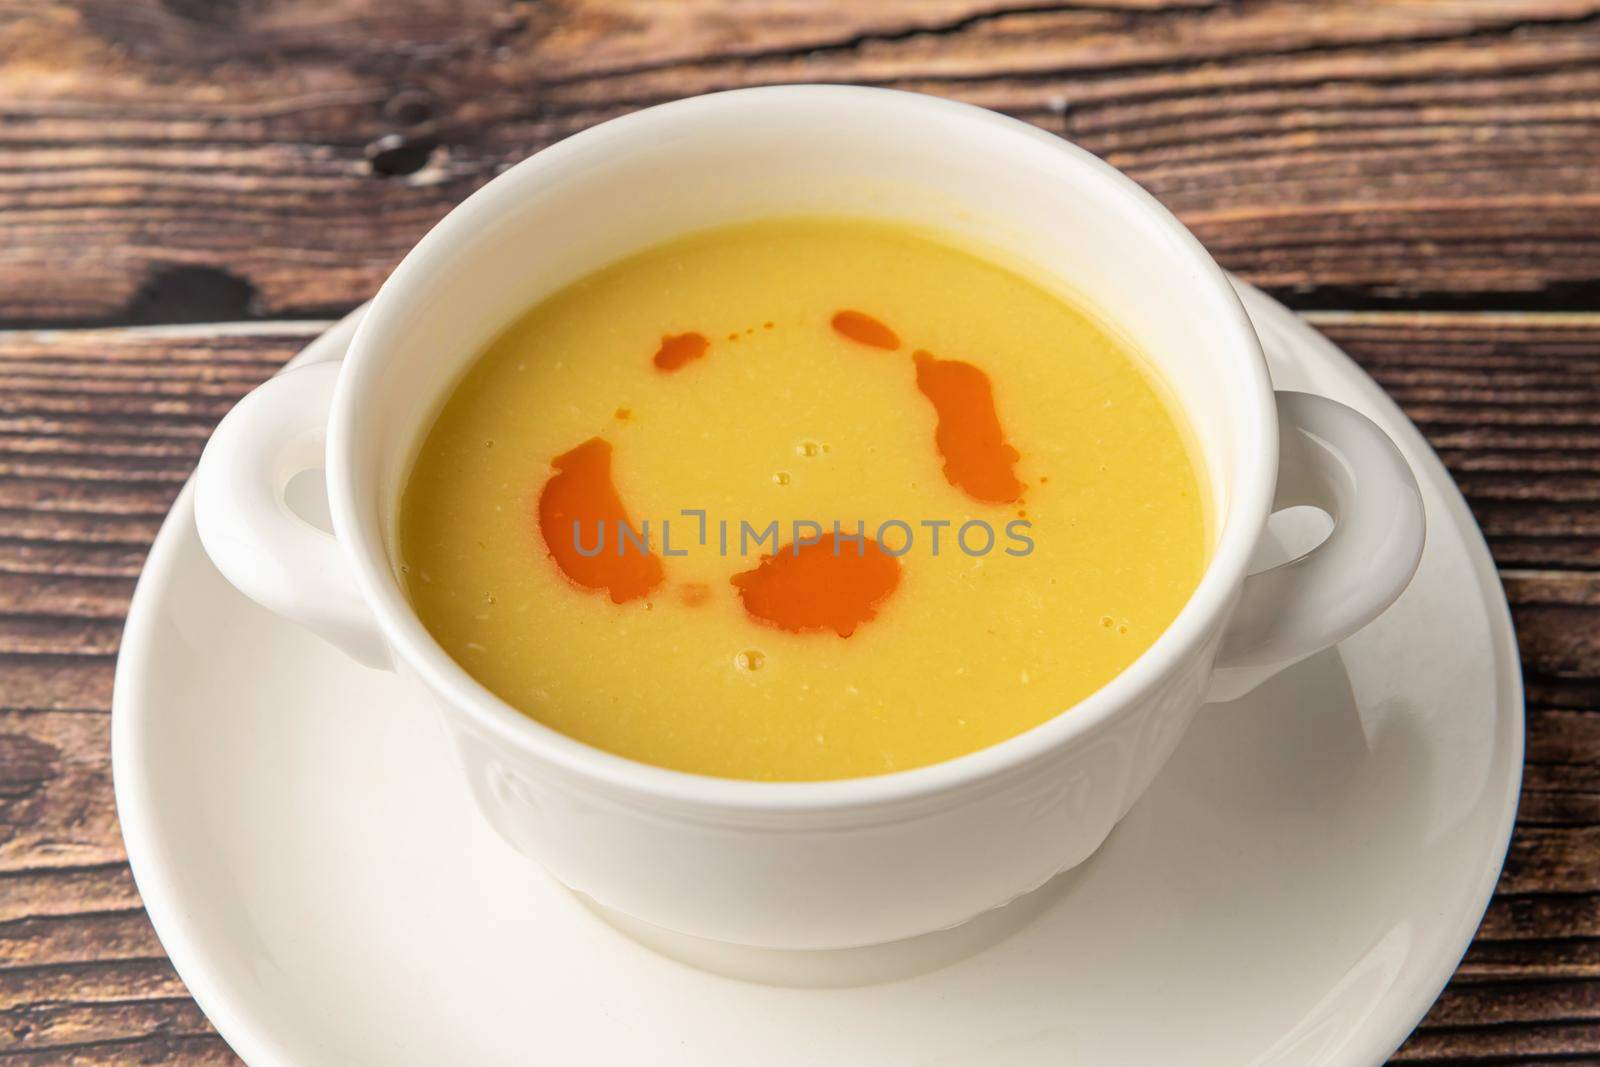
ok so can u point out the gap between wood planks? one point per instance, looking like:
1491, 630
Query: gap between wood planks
1336, 303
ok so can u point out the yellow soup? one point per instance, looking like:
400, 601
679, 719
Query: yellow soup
802, 499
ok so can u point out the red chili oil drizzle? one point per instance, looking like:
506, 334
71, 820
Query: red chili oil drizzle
822, 585
866, 330
977, 459
579, 505
680, 349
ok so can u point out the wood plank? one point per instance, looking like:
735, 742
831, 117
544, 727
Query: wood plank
60, 684
56, 805
120, 1032
53, 892
160, 1048
168, 161
1542, 1042
103, 1012
83, 938
110, 981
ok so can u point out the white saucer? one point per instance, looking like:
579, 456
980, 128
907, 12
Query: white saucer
1296, 887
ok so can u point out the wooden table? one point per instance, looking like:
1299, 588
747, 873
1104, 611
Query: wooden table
1422, 178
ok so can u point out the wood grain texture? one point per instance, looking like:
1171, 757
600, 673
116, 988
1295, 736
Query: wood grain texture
1402, 165
163, 160
99, 428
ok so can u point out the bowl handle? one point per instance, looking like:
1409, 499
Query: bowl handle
1336, 459
268, 552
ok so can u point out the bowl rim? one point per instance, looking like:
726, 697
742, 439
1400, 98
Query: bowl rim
1251, 489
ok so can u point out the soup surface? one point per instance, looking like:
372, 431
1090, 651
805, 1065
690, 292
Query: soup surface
623, 521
